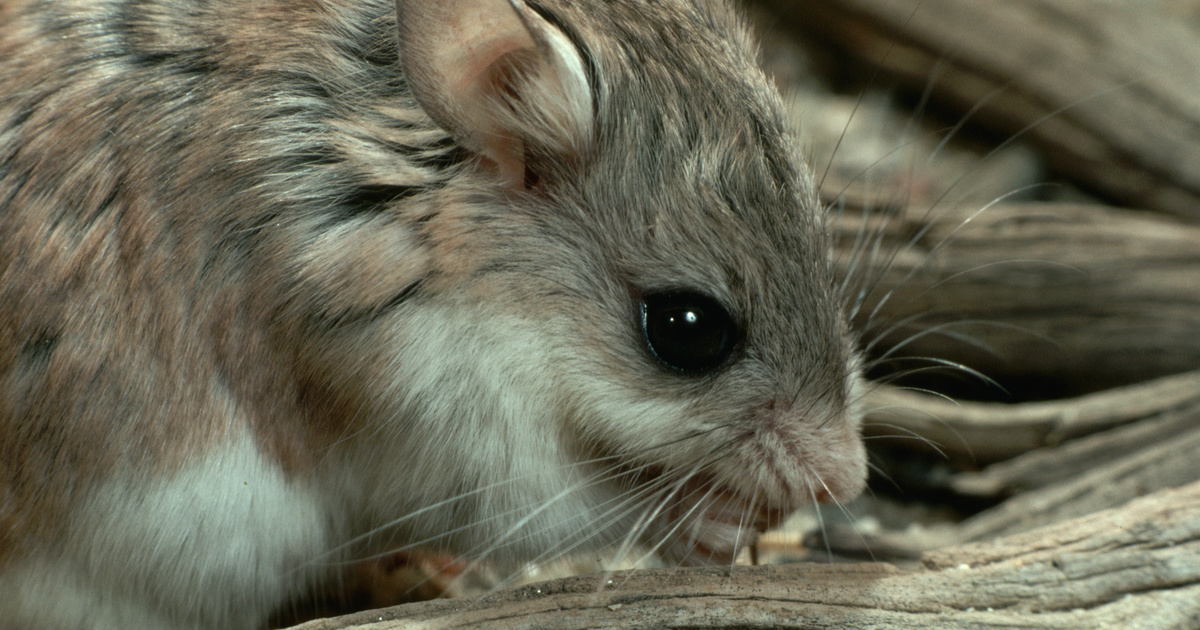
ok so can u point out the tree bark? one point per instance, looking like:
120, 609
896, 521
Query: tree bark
1133, 567
1072, 298
990, 432
1109, 91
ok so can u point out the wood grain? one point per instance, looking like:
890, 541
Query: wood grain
1109, 91
1133, 567
1077, 297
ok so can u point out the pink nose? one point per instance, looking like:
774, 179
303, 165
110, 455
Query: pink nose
823, 496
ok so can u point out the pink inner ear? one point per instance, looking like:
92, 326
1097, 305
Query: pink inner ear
483, 73
480, 81
461, 56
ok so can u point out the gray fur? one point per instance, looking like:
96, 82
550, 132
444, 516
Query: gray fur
219, 216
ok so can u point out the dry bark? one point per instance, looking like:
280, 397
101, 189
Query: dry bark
989, 432
1047, 466
1074, 297
1106, 483
1072, 457
1133, 567
1109, 91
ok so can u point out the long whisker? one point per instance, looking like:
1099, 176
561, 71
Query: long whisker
857, 104
845, 512
812, 493
912, 435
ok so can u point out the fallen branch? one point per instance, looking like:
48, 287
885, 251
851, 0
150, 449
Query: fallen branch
1110, 92
989, 432
1132, 567
1073, 298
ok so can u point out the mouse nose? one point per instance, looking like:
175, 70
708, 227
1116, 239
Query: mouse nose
844, 480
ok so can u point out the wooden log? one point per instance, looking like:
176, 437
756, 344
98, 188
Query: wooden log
1048, 466
1133, 567
1068, 298
1110, 482
1049, 461
984, 433
1105, 484
1109, 92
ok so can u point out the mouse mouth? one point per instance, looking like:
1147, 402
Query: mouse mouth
715, 523
699, 520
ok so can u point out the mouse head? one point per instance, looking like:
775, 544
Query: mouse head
631, 310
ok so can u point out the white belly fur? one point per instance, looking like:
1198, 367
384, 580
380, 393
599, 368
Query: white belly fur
220, 544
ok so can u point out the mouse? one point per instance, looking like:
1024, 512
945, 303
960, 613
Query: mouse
285, 285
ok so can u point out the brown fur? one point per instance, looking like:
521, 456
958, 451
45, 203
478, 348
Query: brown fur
216, 212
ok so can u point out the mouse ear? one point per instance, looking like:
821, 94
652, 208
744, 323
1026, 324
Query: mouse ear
498, 77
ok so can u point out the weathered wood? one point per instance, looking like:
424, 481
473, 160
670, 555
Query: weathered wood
1074, 297
1133, 567
1109, 91
1047, 466
988, 432
1107, 483
1068, 457
1110, 482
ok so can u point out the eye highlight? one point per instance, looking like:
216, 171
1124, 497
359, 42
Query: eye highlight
688, 331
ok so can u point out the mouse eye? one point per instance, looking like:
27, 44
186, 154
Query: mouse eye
688, 331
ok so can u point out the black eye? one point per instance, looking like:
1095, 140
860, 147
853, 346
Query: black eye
688, 331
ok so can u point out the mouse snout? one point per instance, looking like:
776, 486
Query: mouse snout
806, 454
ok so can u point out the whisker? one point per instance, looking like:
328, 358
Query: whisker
812, 493
883, 473
912, 435
597, 478
858, 103
849, 518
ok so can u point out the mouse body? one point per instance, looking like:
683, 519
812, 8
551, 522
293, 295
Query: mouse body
289, 284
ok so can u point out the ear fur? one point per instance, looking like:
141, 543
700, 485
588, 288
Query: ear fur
498, 77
